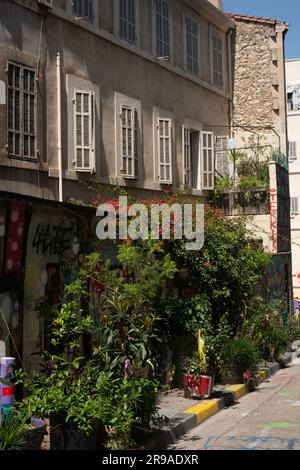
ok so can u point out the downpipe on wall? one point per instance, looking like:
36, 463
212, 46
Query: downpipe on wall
59, 146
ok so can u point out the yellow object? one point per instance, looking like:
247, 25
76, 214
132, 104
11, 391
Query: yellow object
238, 390
201, 349
204, 410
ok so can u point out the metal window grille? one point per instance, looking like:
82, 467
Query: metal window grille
129, 155
192, 45
207, 160
162, 28
217, 59
21, 111
164, 151
84, 130
128, 20
83, 8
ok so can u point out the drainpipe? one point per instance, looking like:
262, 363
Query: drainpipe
59, 147
229, 65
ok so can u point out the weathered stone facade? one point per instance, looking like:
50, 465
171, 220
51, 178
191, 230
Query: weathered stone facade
252, 77
259, 77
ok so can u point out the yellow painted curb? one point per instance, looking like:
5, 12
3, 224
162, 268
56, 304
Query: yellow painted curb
238, 390
204, 410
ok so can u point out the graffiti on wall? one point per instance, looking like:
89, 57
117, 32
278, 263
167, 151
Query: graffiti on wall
54, 239
273, 219
277, 282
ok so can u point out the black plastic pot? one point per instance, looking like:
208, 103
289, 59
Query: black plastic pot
66, 436
36, 435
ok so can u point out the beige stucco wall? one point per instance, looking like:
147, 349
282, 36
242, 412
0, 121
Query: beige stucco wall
95, 55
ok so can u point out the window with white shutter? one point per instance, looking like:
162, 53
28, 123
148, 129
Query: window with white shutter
84, 125
294, 206
187, 156
222, 161
217, 45
83, 8
127, 13
21, 111
162, 22
293, 150
164, 133
129, 145
207, 148
192, 39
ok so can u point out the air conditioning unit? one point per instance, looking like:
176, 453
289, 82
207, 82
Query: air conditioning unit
47, 3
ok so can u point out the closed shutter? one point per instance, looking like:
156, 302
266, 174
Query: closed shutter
293, 150
164, 130
128, 144
222, 161
127, 20
83, 8
207, 160
217, 60
84, 116
162, 28
192, 45
294, 205
187, 151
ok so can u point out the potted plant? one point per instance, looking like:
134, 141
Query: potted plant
196, 382
241, 358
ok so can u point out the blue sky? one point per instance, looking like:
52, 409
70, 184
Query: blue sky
286, 10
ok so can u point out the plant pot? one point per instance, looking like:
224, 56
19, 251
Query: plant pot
197, 386
66, 436
36, 435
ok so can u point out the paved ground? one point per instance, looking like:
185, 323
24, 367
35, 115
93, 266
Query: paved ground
266, 419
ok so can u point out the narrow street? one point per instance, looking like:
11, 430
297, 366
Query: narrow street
267, 419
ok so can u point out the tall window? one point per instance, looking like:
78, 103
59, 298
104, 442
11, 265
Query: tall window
187, 157
208, 160
127, 20
294, 205
21, 112
192, 38
217, 60
162, 17
293, 150
83, 8
84, 130
222, 160
128, 146
164, 128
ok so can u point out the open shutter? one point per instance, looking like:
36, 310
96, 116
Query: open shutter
207, 160
84, 125
187, 156
164, 150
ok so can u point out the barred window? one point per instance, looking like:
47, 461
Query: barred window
128, 20
162, 13
217, 60
192, 60
21, 112
84, 8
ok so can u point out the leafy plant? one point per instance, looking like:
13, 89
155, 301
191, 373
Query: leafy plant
241, 354
193, 365
224, 183
14, 432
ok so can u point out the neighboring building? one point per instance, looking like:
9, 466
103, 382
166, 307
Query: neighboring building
128, 92
293, 119
259, 131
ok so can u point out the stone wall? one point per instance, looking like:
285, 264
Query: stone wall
252, 74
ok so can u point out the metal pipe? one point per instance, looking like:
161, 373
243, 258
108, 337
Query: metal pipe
59, 145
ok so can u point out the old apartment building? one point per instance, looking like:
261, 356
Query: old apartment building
293, 118
127, 92
124, 91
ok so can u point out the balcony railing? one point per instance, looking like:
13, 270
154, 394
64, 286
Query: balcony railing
253, 201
